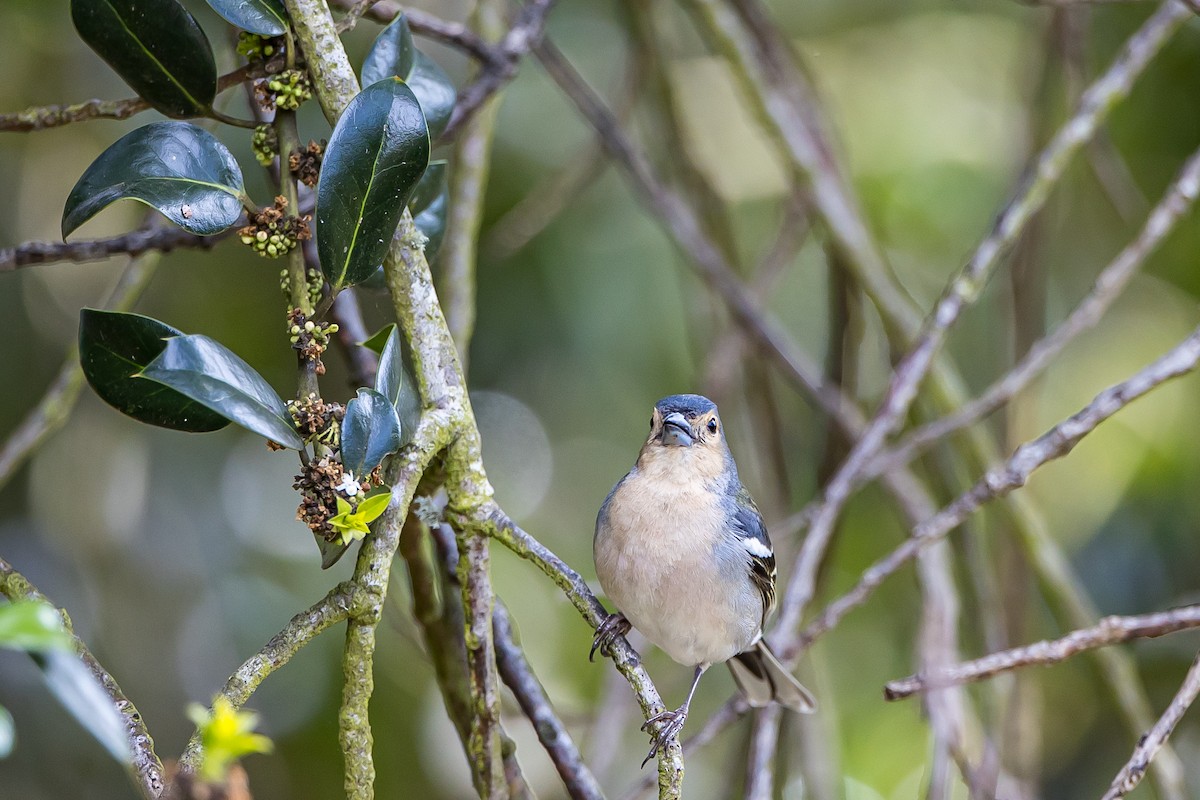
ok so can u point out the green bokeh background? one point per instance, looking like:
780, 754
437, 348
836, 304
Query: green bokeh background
178, 556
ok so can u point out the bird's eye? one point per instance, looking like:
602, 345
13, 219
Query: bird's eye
652, 423
712, 426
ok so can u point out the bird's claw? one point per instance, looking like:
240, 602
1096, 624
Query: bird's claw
614, 625
669, 724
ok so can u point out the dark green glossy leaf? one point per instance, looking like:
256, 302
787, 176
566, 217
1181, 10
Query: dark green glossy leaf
175, 167
432, 184
435, 92
370, 432
81, 694
211, 374
408, 404
376, 155
432, 222
378, 340
113, 349
392, 53
389, 378
7, 734
156, 46
32, 625
264, 17
331, 552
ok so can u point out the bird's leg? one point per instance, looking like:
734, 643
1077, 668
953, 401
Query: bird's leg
670, 723
614, 625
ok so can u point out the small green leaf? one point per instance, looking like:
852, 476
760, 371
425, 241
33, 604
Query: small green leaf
181, 170
212, 375
156, 46
32, 625
226, 735
434, 91
389, 378
370, 432
8, 735
392, 53
376, 155
373, 507
113, 348
264, 17
331, 552
80, 693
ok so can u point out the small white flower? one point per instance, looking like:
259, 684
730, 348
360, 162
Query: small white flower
348, 486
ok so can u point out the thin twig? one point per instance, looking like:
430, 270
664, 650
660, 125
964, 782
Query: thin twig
760, 760
163, 239
1109, 631
145, 763
42, 117
998, 482
1131, 774
1175, 202
453, 34
1094, 106
519, 677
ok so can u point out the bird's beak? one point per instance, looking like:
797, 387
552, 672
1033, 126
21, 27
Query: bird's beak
676, 431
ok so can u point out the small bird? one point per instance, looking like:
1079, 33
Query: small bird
683, 553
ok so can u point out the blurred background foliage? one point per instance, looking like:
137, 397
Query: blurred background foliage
178, 556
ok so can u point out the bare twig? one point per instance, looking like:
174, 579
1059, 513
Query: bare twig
1094, 106
1109, 631
1175, 202
145, 764
1131, 774
453, 34
163, 239
519, 677
346, 312
525, 33
760, 761
998, 482
43, 117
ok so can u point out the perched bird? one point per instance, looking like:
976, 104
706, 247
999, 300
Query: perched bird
683, 553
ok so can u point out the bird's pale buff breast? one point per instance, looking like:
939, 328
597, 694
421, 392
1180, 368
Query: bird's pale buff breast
661, 531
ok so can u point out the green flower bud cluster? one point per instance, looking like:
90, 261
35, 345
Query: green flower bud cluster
289, 89
311, 330
265, 144
270, 243
258, 48
273, 233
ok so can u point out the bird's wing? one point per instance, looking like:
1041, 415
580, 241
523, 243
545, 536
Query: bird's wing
752, 535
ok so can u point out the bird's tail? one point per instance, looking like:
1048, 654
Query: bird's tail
762, 679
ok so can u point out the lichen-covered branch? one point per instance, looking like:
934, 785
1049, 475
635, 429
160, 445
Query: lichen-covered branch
145, 763
163, 239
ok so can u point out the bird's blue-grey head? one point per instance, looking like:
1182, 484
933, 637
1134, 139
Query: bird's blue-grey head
681, 420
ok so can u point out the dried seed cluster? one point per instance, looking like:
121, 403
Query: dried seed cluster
306, 164
320, 483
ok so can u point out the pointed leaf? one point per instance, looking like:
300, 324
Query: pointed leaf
389, 378
370, 431
432, 222
408, 404
435, 92
156, 46
32, 625
331, 552
179, 169
211, 374
376, 155
392, 53
80, 693
378, 340
113, 349
432, 185
264, 17
373, 507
